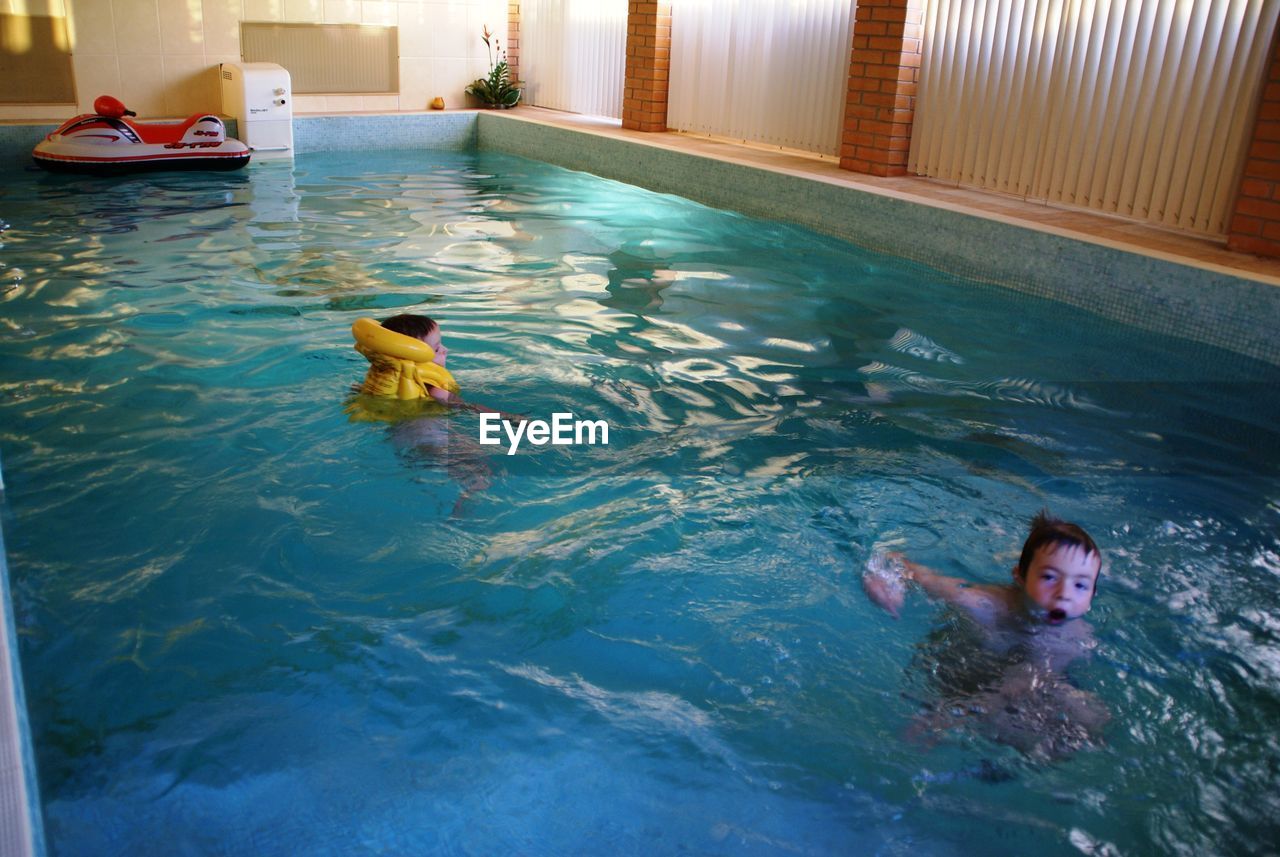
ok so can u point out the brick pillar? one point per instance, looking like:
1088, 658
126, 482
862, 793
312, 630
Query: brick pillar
884, 67
513, 39
1255, 223
644, 101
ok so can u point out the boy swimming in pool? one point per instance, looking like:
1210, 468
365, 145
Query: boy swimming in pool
425, 330
1035, 628
385, 376
398, 381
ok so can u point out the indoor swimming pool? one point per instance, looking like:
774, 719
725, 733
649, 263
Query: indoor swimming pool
252, 625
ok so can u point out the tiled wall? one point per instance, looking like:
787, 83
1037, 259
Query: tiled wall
160, 56
16, 142
455, 131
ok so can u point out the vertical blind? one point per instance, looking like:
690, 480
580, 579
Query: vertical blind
1135, 107
573, 54
770, 71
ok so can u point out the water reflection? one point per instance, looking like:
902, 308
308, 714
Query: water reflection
193, 505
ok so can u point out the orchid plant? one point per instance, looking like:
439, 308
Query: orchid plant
496, 90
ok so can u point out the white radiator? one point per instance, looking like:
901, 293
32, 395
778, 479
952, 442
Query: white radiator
1135, 107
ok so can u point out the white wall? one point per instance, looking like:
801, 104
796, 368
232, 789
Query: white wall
160, 57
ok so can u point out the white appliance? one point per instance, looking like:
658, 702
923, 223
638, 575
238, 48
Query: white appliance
258, 95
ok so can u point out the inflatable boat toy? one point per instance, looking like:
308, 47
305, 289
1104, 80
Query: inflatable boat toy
107, 142
400, 367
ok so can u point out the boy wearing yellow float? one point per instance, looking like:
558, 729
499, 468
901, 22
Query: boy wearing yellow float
407, 356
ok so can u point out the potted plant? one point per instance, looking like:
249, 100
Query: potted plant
496, 90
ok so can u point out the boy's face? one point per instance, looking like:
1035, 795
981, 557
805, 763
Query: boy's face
1061, 580
433, 339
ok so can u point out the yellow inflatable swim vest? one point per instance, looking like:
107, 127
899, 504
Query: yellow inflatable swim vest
400, 367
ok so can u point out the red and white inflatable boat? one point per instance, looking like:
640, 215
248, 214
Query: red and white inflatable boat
108, 142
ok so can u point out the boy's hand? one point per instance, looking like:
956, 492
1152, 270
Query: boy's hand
887, 594
883, 583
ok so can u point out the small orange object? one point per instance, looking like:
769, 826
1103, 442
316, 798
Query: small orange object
437, 103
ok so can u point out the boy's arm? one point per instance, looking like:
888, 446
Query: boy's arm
982, 602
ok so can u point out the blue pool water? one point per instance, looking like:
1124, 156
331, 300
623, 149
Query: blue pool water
252, 626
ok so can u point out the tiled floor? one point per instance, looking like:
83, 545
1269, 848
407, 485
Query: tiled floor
1083, 225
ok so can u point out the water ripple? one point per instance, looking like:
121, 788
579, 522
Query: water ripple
199, 531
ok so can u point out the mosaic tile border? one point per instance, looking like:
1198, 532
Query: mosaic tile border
452, 131
1158, 295
17, 141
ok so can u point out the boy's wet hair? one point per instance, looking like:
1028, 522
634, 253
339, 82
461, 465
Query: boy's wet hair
1047, 530
417, 326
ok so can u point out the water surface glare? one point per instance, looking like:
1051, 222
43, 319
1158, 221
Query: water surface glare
252, 626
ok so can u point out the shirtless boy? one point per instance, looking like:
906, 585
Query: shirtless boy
1037, 618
